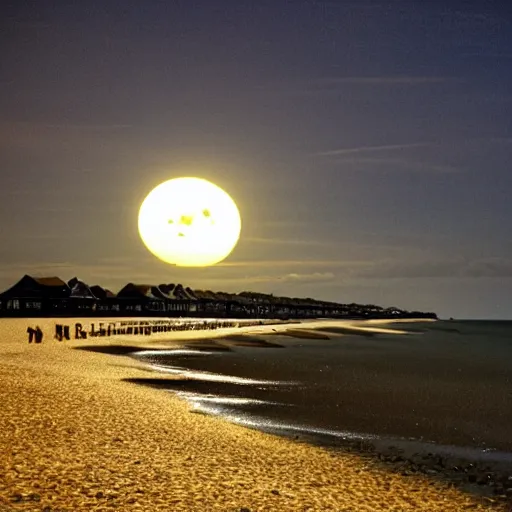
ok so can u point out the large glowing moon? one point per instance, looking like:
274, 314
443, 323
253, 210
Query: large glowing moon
189, 222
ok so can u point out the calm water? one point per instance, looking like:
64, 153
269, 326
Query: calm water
449, 383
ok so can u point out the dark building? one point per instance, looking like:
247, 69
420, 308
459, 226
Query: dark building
80, 290
141, 298
101, 293
178, 300
34, 296
81, 299
51, 296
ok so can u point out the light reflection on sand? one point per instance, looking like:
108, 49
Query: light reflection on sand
198, 399
175, 352
215, 377
267, 424
409, 446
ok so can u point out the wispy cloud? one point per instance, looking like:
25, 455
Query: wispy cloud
313, 277
358, 156
293, 263
477, 19
333, 85
39, 126
398, 164
283, 277
499, 140
26, 23
285, 241
371, 149
380, 80
459, 268
237, 283
46, 136
491, 54
10, 273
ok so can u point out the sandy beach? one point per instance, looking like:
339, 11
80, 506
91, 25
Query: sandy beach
74, 435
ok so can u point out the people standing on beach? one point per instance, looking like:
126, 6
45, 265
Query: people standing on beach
35, 334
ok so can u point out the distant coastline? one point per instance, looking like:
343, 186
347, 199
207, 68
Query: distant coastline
50, 297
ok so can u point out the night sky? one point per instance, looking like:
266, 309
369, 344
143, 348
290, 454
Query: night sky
366, 143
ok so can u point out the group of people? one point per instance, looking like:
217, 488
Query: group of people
35, 335
62, 332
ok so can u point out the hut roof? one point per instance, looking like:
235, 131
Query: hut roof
137, 291
166, 290
205, 295
156, 292
38, 287
226, 296
179, 292
50, 281
80, 290
100, 292
190, 293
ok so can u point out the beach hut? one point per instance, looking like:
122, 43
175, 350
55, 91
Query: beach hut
81, 298
177, 302
101, 293
141, 298
106, 303
209, 304
36, 295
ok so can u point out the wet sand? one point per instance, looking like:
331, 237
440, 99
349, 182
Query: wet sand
77, 434
395, 385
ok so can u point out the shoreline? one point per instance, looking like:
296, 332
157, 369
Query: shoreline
76, 436
211, 390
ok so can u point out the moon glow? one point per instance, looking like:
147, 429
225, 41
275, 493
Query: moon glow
189, 222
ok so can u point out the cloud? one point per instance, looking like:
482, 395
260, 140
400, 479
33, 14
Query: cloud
11, 273
283, 277
488, 267
42, 126
329, 85
119, 270
379, 80
370, 149
479, 20
351, 156
492, 267
284, 241
261, 282
400, 164
292, 263
291, 277
313, 277
485, 53
499, 140
30, 136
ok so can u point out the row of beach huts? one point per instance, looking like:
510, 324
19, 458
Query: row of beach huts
51, 296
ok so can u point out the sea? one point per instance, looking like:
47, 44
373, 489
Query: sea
444, 385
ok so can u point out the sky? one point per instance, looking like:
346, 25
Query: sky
366, 143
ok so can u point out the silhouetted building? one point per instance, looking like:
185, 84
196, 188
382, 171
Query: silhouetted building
51, 296
141, 297
35, 295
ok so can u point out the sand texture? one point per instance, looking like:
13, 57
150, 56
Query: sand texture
74, 436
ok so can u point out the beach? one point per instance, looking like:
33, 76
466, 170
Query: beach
76, 433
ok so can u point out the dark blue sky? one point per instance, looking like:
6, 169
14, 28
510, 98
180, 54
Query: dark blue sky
367, 143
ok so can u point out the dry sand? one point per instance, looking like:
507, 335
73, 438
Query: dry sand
74, 436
